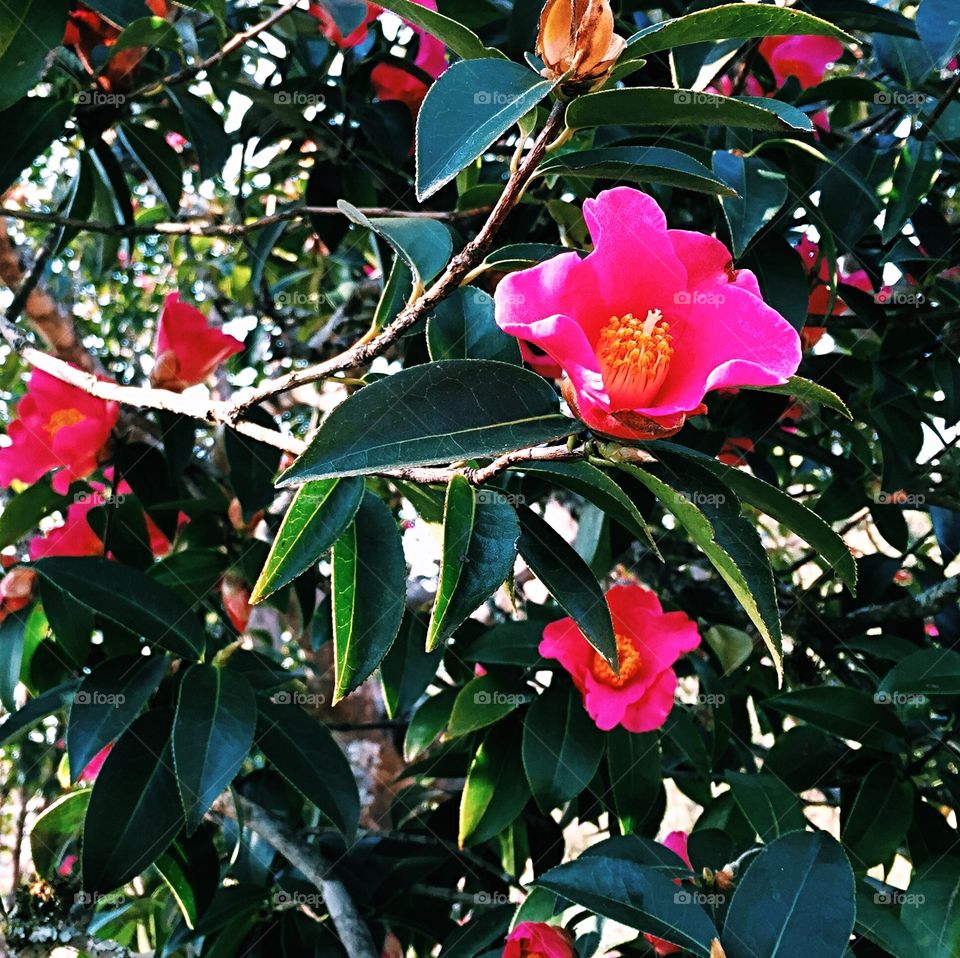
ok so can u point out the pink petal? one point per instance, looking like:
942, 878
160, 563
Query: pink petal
652, 710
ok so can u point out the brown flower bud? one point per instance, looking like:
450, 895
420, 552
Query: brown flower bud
577, 38
16, 588
716, 950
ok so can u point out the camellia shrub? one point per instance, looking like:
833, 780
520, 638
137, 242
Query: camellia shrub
480, 478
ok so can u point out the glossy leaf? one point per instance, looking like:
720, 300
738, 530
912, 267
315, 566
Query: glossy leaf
917, 168
369, 593
483, 701
633, 761
407, 669
55, 829
768, 804
29, 30
568, 578
880, 924
932, 912
318, 515
466, 110
38, 122
480, 532
463, 327
441, 412
875, 823
212, 733
926, 672
807, 391
462, 41
761, 193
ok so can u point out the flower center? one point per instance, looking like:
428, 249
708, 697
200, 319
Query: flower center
634, 357
630, 664
63, 418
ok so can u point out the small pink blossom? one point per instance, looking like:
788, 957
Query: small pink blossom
649, 322
188, 349
537, 939
649, 642
805, 57
57, 427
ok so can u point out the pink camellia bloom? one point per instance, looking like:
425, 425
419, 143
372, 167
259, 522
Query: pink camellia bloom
649, 322
649, 642
537, 939
57, 427
677, 843
329, 28
805, 57
189, 349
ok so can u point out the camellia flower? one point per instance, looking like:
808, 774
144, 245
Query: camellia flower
677, 843
805, 57
57, 426
189, 349
576, 38
649, 642
537, 939
649, 322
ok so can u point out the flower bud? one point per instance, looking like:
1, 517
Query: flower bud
576, 40
16, 588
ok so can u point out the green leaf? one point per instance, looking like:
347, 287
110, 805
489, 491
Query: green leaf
731, 544
664, 106
463, 327
154, 33
53, 700
38, 122
318, 515
635, 895
879, 923
204, 129
480, 532
761, 189
134, 811
521, 255
496, 788
927, 672
635, 164
568, 578
938, 23
54, 829
917, 169
455, 36
307, 756
931, 912
192, 574
212, 733
633, 760
13, 631
876, 821
157, 159
596, 486
731, 646
29, 30
129, 598
561, 748
253, 465
407, 669
107, 702
769, 806
807, 391
510, 643
22, 513
846, 712
778, 505
733, 21
424, 245
483, 701
369, 588
439, 412
191, 869
465, 111
810, 915
429, 720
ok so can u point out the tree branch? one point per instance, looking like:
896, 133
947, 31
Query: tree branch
353, 931
925, 603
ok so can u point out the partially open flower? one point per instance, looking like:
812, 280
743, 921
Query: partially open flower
805, 57
648, 323
235, 596
537, 939
577, 41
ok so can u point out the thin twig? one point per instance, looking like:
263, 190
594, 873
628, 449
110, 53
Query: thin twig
925, 603
925, 128
29, 282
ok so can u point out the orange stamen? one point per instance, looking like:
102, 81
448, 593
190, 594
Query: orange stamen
630, 664
63, 418
634, 357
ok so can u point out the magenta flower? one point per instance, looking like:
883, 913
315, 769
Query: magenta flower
805, 57
649, 642
649, 322
677, 843
537, 939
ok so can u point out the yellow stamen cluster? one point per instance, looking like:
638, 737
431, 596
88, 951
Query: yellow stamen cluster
63, 418
630, 664
634, 357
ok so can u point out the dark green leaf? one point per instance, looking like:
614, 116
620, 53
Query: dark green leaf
569, 580
768, 805
880, 923
521, 255
134, 811
38, 708
305, 754
927, 672
204, 129
938, 23
439, 412
633, 760
483, 701
318, 515
212, 734
463, 327
407, 669
931, 912
129, 598
876, 821
428, 722
810, 916
253, 465
29, 30
191, 869
455, 36
561, 747
157, 159
13, 631
22, 513
731, 646
917, 168
107, 702
761, 189
38, 122
154, 33
369, 593
55, 828
480, 532
466, 110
